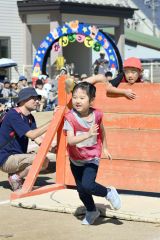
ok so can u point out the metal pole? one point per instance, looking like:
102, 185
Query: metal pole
153, 6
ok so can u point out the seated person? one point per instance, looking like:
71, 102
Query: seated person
100, 66
43, 93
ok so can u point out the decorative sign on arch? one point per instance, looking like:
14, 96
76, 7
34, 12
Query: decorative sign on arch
70, 32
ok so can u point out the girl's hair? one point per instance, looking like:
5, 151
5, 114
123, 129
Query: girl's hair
88, 87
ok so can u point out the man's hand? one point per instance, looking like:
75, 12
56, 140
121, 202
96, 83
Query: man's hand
56, 109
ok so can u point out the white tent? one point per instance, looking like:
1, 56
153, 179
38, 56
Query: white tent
7, 62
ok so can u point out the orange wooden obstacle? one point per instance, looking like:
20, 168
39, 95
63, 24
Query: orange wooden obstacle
133, 135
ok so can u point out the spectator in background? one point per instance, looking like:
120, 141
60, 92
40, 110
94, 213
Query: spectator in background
108, 75
6, 88
6, 92
14, 91
22, 82
43, 78
100, 66
30, 84
14, 86
40, 91
47, 85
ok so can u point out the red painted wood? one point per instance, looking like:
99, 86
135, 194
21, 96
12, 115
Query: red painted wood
124, 174
133, 136
132, 121
147, 101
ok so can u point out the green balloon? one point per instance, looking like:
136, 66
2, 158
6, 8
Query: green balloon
72, 37
96, 47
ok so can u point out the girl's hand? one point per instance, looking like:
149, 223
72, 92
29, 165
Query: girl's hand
93, 130
107, 154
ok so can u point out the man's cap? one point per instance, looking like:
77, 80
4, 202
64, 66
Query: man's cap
26, 93
132, 62
22, 78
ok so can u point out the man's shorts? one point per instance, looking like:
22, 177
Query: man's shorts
17, 162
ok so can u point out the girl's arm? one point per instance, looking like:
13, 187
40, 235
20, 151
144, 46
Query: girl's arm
73, 140
104, 141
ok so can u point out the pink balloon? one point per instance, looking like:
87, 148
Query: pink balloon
80, 38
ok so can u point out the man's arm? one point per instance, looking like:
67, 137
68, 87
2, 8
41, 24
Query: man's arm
33, 134
36, 133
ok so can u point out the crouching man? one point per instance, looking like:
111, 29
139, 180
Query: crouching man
17, 127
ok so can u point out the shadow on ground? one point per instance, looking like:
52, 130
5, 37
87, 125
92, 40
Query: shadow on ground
42, 179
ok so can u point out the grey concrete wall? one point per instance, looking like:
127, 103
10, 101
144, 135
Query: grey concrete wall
80, 55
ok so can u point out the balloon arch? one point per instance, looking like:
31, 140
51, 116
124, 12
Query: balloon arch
70, 32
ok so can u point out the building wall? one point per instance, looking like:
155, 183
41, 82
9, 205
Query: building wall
38, 34
11, 26
142, 21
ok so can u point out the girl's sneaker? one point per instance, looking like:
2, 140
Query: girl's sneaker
90, 217
114, 198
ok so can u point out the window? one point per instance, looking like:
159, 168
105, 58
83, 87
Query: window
4, 47
4, 53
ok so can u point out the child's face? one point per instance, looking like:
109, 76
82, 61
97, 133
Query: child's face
132, 74
80, 101
24, 82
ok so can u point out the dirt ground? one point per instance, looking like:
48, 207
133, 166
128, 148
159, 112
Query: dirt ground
27, 224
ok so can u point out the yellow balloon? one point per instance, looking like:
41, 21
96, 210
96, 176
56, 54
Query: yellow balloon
63, 41
88, 42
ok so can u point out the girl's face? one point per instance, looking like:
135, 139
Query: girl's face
132, 74
80, 101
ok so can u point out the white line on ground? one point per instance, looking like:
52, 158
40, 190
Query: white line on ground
4, 202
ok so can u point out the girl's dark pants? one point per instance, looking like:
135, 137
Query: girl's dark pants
86, 186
